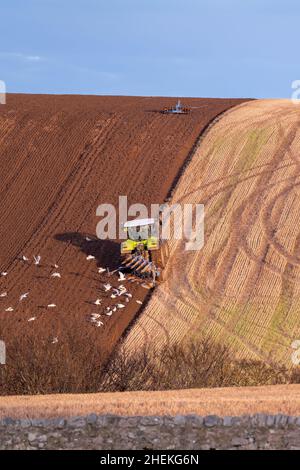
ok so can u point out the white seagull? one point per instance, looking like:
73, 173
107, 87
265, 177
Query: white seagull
109, 314
99, 323
88, 239
121, 277
24, 258
120, 305
4, 273
101, 270
55, 340
120, 291
9, 309
98, 302
90, 257
94, 316
23, 296
56, 275
37, 259
4, 294
31, 319
139, 302
51, 305
107, 287
55, 266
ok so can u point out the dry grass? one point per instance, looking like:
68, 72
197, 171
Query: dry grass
242, 289
234, 401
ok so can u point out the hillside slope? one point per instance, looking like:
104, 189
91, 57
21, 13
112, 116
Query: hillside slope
60, 157
243, 288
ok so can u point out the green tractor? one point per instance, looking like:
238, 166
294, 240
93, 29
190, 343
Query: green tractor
142, 251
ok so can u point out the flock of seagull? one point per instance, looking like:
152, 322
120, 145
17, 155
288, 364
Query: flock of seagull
120, 293
36, 261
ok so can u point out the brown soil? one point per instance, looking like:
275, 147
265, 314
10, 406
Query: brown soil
60, 157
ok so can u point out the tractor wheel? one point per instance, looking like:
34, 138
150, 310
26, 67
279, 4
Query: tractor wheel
160, 259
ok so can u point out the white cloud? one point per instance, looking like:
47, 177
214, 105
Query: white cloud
33, 58
21, 56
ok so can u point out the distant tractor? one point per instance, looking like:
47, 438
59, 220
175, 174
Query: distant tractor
143, 252
177, 109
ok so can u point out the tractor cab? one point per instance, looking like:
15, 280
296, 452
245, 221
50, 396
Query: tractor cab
141, 235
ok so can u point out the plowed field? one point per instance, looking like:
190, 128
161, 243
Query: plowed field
60, 157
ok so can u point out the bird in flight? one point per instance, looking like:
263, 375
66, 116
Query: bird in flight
37, 259
56, 275
23, 296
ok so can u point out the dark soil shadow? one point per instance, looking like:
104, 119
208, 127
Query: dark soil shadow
106, 252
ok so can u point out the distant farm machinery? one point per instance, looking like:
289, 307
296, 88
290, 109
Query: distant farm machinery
143, 252
177, 109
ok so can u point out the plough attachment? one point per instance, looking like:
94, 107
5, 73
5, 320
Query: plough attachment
140, 266
148, 264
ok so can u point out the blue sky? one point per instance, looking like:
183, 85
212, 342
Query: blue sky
217, 48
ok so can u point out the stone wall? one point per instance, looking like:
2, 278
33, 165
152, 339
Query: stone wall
110, 432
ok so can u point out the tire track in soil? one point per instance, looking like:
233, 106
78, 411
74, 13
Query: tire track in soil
75, 148
205, 307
